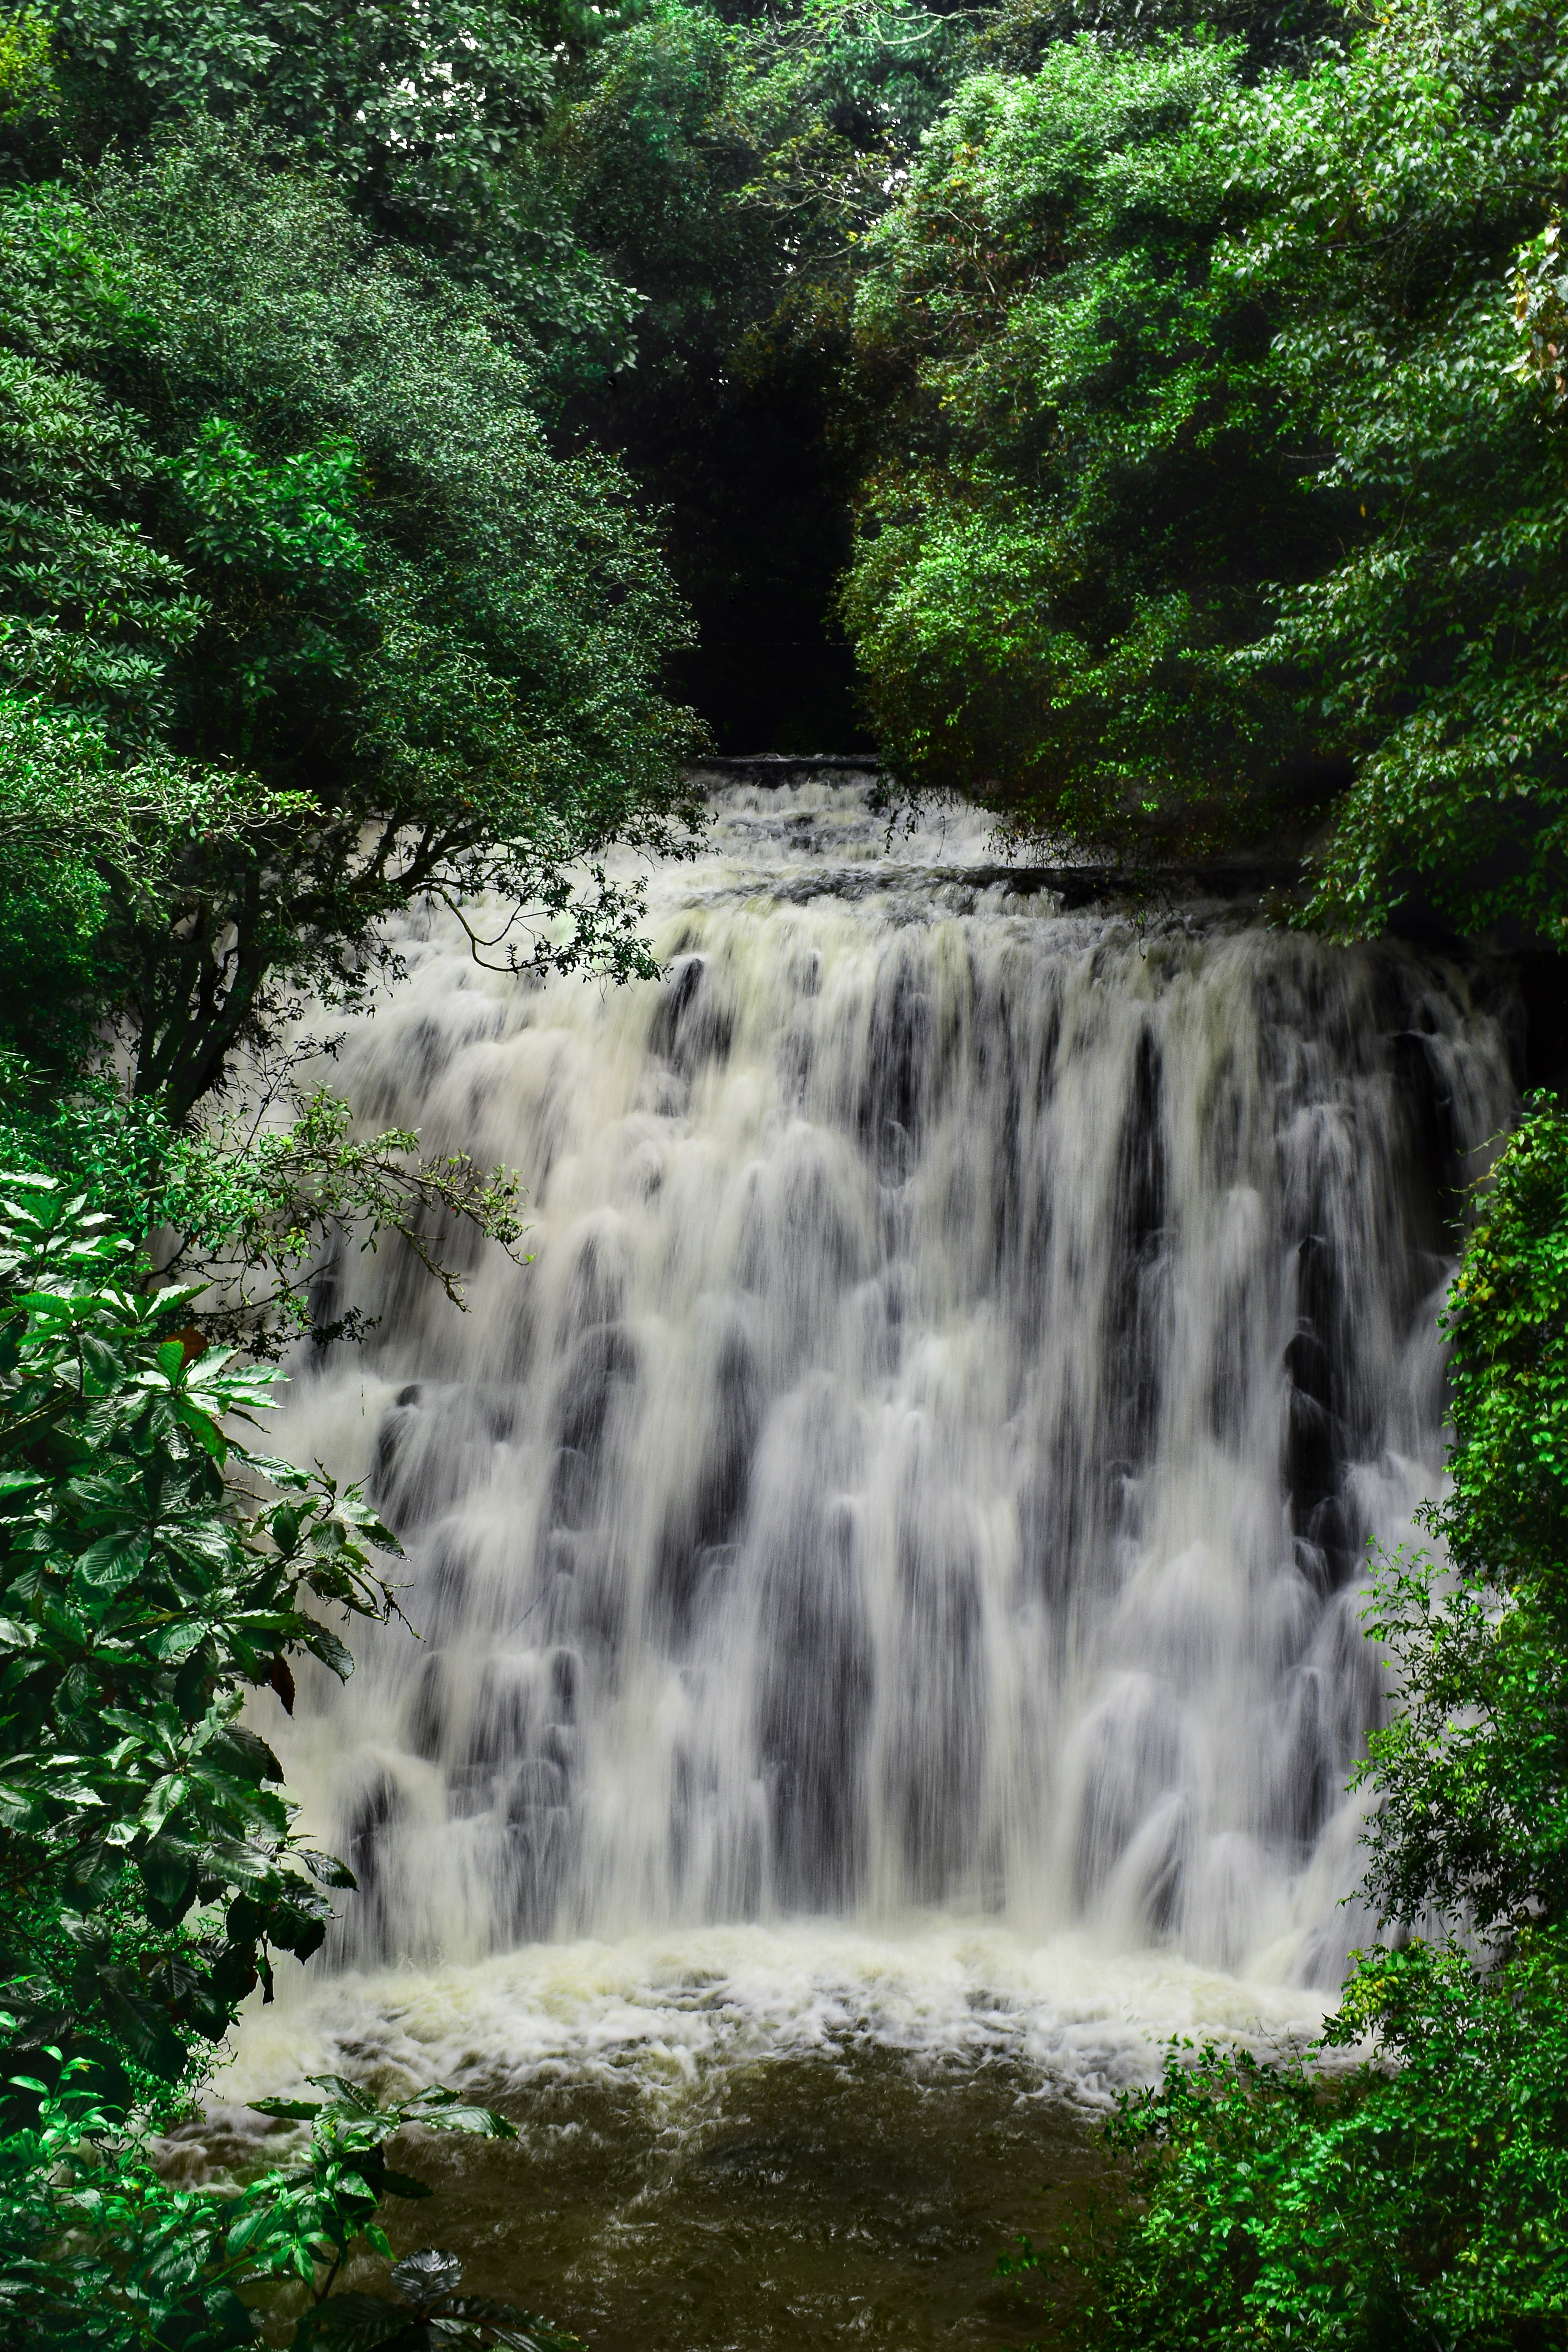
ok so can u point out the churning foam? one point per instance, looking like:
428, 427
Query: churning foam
666, 2012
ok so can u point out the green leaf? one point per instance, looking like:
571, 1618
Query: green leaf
357, 2323
328, 1870
349, 2095
277, 1472
324, 1644
403, 2184
143, 2028
115, 1560
428, 2274
22, 1810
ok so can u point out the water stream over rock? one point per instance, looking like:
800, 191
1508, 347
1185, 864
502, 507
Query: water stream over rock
893, 1559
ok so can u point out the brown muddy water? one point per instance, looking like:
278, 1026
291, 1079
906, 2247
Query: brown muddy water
793, 2206
752, 2140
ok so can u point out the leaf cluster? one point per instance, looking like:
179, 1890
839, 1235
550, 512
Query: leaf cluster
428, 118
1381, 2206
252, 1210
147, 1579
1473, 1771
1221, 491
96, 2249
288, 561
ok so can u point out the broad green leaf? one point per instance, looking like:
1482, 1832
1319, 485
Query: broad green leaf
23, 1809
115, 1560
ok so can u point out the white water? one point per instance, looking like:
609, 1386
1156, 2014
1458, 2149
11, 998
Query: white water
890, 1565
668, 2012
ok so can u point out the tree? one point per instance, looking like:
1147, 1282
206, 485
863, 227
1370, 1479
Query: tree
426, 119
1086, 475
1429, 649
1226, 489
725, 169
285, 531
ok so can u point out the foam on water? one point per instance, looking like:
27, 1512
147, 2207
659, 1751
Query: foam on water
666, 2012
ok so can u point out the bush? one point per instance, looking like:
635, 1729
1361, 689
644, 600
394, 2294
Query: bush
153, 1571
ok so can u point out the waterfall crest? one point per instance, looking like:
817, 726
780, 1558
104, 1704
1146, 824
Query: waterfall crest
930, 1460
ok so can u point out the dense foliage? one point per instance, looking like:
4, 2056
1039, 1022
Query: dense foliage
1375, 2209
1222, 484
140, 1599
154, 1570
428, 119
323, 613
97, 2250
1070, 528
1473, 1772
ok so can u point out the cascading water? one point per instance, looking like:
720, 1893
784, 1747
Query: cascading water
889, 1566
927, 1463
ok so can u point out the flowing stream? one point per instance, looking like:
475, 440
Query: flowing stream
889, 1567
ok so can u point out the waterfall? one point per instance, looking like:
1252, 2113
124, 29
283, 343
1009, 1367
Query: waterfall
927, 1463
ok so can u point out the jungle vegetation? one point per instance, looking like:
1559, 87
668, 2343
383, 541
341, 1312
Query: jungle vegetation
422, 429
